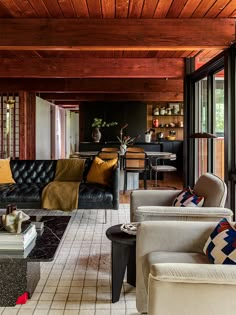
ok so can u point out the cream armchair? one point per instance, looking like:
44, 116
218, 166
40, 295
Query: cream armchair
157, 204
174, 276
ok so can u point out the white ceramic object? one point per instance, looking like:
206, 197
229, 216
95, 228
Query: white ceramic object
129, 228
148, 137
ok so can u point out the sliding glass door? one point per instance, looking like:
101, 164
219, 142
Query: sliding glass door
209, 125
201, 114
218, 123
210, 132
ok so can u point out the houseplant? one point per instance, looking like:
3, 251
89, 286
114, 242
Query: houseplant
125, 140
97, 124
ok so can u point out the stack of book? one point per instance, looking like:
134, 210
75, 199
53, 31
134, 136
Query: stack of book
18, 245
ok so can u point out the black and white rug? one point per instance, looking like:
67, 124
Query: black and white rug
78, 281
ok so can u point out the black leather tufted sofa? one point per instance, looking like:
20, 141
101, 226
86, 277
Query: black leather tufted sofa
32, 175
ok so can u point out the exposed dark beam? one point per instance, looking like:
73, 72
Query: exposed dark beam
158, 96
116, 34
91, 85
74, 96
92, 68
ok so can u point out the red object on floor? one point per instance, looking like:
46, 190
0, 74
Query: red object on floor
22, 299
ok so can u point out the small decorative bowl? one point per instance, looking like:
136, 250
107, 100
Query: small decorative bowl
129, 228
171, 137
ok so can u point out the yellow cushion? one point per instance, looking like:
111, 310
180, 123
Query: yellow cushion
101, 171
69, 170
5, 172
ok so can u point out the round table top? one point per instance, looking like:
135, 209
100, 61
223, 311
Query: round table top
115, 234
149, 153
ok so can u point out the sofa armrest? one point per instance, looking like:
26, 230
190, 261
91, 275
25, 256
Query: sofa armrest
194, 273
149, 213
150, 198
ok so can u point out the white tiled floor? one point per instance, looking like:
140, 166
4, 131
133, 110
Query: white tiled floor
78, 281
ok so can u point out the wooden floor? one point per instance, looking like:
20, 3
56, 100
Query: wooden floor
171, 179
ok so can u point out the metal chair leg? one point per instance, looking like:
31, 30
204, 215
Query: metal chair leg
155, 179
125, 182
145, 180
105, 217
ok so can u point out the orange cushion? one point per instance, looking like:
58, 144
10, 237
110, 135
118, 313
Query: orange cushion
101, 171
5, 172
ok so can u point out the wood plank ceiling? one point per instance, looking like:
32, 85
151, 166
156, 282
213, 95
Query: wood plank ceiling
86, 63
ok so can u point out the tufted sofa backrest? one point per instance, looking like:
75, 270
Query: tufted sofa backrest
33, 171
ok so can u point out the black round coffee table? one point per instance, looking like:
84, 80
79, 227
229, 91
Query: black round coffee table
123, 254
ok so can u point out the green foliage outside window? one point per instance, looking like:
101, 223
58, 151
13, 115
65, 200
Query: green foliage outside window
219, 96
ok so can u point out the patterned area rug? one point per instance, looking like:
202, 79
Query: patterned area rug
78, 281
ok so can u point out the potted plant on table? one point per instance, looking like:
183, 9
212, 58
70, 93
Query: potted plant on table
97, 124
125, 140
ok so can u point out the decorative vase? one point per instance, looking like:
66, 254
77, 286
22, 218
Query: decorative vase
155, 123
96, 135
123, 148
148, 137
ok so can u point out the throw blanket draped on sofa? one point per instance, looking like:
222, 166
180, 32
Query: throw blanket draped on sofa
63, 192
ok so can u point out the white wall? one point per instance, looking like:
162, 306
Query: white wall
74, 132
68, 135
57, 131
43, 129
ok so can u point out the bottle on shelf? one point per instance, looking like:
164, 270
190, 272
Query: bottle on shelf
155, 123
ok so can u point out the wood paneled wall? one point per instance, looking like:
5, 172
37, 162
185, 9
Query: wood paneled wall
27, 125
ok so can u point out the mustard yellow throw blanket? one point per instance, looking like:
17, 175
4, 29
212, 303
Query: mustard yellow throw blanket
63, 192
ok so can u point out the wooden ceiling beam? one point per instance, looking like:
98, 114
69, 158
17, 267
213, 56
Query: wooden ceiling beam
91, 85
158, 96
92, 68
116, 34
78, 96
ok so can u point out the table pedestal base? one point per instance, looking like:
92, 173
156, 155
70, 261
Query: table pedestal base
17, 276
122, 256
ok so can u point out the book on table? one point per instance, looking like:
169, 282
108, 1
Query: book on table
18, 253
13, 241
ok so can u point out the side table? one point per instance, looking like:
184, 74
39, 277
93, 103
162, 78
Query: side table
123, 254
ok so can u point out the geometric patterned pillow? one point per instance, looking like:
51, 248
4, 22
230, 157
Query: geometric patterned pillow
187, 198
220, 247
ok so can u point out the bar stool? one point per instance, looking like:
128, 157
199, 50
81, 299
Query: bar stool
135, 162
163, 168
108, 155
134, 149
110, 149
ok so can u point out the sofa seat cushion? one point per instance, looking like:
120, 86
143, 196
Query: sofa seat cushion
14, 193
170, 257
95, 196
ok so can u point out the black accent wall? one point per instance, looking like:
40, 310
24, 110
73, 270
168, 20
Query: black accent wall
132, 113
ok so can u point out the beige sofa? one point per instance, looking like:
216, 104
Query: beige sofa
174, 276
151, 205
